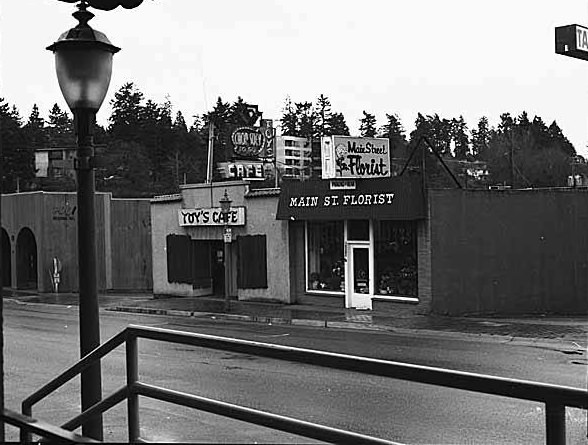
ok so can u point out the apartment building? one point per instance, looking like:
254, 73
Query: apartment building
294, 157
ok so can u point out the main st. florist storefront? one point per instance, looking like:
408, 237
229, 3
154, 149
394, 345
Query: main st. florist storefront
357, 234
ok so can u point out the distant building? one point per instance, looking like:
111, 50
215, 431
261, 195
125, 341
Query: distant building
55, 162
294, 157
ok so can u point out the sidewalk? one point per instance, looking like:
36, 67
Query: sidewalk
572, 330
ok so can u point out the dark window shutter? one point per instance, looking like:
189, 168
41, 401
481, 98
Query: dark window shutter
252, 270
179, 259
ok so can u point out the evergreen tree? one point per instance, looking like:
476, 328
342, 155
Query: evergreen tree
506, 123
480, 138
181, 145
337, 125
126, 113
524, 153
323, 117
438, 133
289, 120
460, 138
523, 121
18, 161
421, 128
219, 118
179, 124
60, 128
125, 174
394, 132
442, 135
34, 129
197, 125
367, 127
557, 137
306, 120
156, 137
243, 114
393, 128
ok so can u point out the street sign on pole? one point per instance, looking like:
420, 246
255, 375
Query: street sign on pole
572, 41
228, 234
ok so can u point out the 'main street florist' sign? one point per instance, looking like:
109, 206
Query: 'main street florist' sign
354, 157
211, 217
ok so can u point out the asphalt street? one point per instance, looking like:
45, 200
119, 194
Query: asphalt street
42, 340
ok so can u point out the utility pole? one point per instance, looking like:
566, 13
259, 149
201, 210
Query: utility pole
210, 156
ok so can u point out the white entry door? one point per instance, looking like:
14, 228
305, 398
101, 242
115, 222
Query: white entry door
359, 287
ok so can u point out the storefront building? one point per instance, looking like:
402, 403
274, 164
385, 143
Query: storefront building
363, 238
445, 251
349, 241
189, 236
356, 240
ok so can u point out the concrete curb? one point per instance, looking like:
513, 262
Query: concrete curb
559, 344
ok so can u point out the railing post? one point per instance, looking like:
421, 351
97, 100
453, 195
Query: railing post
132, 377
25, 435
555, 424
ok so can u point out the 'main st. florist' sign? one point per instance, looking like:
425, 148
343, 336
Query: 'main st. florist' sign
353, 157
361, 199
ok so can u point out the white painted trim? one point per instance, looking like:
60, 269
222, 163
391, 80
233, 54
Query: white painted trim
396, 299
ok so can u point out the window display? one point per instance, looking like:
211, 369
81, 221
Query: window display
326, 270
395, 258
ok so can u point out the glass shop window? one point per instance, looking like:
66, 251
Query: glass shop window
358, 230
395, 258
325, 256
55, 155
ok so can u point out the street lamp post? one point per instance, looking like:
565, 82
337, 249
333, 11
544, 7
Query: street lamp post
83, 62
225, 203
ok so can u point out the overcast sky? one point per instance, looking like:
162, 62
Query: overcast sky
451, 57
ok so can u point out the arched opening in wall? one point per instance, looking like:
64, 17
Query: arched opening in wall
26, 260
6, 260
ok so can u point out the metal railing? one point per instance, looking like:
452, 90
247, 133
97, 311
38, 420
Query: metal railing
556, 398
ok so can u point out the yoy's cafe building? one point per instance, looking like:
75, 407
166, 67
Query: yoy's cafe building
356, 238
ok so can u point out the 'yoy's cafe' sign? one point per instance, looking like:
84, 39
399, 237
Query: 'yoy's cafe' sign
211, 217
355, 157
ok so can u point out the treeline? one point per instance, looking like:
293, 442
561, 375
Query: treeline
146, 149
519, 152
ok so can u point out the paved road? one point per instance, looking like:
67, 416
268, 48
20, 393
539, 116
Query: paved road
42, 340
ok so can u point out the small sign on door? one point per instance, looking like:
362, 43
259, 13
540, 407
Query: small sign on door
228, 235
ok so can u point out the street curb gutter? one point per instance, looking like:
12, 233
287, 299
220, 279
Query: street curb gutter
257, 318
505, 339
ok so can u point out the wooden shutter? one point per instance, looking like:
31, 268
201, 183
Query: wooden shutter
179, 259
252, 262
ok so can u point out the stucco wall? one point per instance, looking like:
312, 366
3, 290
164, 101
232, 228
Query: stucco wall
52, 217
261, 220
521, 251
164, 221
60, 241
18, 213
